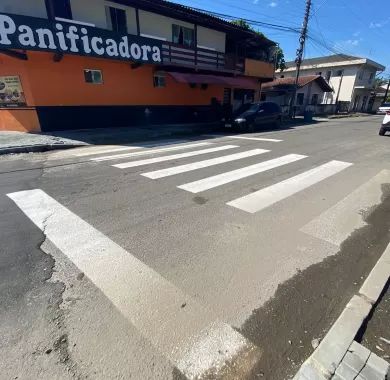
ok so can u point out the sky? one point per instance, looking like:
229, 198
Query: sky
353, 27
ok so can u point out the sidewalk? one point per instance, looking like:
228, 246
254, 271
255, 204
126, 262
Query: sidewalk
357, 345
20, 142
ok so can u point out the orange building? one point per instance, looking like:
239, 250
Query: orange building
67, 64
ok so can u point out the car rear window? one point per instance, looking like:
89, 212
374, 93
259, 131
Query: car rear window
386, 105
271, 107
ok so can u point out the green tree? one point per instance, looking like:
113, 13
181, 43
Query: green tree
379, 81
279, 54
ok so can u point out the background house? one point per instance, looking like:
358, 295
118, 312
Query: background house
380, 93
351, 78
311, 92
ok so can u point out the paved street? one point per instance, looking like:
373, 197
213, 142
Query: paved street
188, 257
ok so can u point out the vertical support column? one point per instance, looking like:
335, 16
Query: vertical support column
196, 44
50, 9
137, 21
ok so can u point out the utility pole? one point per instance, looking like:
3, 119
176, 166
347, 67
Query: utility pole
387, 92
298, 60
338, 92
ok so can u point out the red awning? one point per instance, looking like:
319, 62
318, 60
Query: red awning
240, 82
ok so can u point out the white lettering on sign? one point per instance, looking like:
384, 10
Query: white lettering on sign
94, 43
85, 40
7, 27
21, 32
72, 36
156, 54
48, 34
124, 48
26, 36
112, 48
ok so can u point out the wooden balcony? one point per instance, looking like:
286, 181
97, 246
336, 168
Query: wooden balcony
178, 55
259, 69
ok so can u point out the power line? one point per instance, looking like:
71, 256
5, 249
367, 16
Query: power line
249, 21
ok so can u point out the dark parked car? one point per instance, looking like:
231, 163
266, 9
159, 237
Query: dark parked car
256, 114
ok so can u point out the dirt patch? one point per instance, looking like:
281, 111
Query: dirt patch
305, 307
375, 334
200, 200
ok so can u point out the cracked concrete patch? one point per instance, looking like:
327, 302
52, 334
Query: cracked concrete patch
96, 341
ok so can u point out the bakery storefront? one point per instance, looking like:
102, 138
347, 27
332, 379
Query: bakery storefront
64, 76
72, 64
58, 74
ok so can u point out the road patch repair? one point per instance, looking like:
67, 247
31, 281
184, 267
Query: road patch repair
192, 337
290, 325
339, 356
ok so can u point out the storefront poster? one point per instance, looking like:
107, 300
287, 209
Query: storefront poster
11, 92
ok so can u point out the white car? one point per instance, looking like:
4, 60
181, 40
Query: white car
384, 108
385, 124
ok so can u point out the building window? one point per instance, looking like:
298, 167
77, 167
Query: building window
93, 76
300, 98
159, 79
339, 73
314, 100
361, 74
372, 75
282, 76
116, 19
183, 36
328, 75
60, 8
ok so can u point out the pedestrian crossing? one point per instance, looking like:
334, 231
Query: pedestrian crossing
203, 164
250, 203
266, 197
154, 151
235, 175
155, 160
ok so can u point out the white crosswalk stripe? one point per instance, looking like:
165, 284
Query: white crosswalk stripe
102, 150
95, 150
152, 151
254, 138
250, 203
338, 222
193, 339
203, 164
245, 138
235, 175
149, 161
266, 197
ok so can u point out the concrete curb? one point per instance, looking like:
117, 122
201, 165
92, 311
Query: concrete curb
324, 361
37, 148
154, 132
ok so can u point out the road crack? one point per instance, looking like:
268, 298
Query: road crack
56, 310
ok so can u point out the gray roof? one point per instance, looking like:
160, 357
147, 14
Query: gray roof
325, 59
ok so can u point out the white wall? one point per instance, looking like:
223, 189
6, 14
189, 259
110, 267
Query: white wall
34, 8
159, 26
94, 12
89, 11
211, 39
348, 83
365, 73
309, 90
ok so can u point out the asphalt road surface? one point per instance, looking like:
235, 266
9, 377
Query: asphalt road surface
205, 258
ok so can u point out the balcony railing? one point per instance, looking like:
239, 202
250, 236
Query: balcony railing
179, 55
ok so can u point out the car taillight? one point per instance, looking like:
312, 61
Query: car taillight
387, 112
